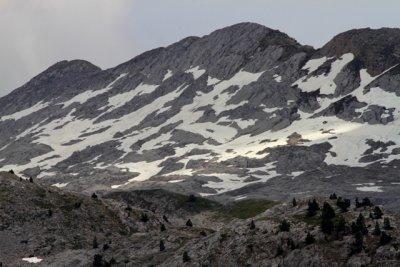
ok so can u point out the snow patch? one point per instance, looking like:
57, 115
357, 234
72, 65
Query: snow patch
32, 260
23, 113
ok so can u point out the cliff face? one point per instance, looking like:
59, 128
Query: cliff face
243, 111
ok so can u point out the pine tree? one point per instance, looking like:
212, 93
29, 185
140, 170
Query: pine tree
279, 251
340, 225
162, 246
11, 171
312, 209
310, 239
358, 244
128, 208
30, 179
358, 204
189, 223
112, 261
162, 228
386, 224
327, 226
366, 202
377, 213
294, 202
284, 226
95, 244
327, 211
360, 225
333, 196
144, 218
192, 198
343, 204
290, 243
385, 239
186, 257
106, 246
252, 225
165, 218
377, 230
97, 260
94, 196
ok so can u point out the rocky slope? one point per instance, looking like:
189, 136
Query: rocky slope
47, 227
243, 111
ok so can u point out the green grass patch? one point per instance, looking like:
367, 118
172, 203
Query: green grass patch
196, 204
248, 208
315, 220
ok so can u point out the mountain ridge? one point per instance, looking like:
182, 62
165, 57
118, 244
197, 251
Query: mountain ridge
242, 112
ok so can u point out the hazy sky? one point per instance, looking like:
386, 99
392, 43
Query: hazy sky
37, 33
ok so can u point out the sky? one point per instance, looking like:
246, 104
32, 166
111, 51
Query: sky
34, 34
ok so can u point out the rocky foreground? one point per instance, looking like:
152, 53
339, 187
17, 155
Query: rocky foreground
45, 226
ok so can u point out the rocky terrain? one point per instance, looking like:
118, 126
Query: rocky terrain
243, 111
44, 226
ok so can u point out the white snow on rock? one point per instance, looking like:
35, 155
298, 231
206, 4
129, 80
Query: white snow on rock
23, 113
168, 75
32, 260
60, 185
121, 99
313, 64
347, 149
85, 96
277, 78
325, 82
377, 189
212, 81
196, 72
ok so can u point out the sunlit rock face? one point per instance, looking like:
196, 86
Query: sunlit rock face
245, 110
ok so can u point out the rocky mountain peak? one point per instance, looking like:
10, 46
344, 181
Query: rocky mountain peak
377, 49
243, 111
222, 53
65, 67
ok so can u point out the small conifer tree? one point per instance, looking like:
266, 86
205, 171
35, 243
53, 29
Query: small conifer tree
386, 224
385, 239
144, 218
189, 223
309, 239
95, 244
162, 245
377, 230
284, 226
186, 257
252, 225
294, 202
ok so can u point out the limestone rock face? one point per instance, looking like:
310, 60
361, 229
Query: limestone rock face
245, 110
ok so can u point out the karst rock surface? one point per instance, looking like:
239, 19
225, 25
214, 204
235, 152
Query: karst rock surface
244, 111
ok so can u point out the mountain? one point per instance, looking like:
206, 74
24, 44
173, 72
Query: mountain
51, 227
245, 111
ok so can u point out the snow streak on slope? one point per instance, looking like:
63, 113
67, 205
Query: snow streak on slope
20, 114
85, 96
324, 82
220, 138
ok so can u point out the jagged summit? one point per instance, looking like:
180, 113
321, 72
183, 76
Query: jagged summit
378, 49
222, 52
66, 68
243, 111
